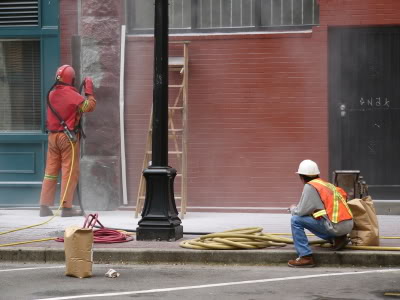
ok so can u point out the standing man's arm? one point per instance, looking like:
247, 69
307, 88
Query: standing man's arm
90, 103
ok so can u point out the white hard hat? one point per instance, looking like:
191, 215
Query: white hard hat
308, 167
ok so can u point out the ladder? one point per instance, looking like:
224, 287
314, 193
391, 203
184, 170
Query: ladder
177, 129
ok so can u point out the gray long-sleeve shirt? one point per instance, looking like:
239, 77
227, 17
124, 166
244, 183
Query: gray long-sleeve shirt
310, 201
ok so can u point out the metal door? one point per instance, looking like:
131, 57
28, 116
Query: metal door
364, 106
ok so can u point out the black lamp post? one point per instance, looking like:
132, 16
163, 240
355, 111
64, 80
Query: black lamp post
160, 219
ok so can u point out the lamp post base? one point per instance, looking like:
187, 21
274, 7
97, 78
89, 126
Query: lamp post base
160, 221
159, 234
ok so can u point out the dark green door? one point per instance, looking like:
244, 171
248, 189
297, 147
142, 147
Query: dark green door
364, 94
29, 56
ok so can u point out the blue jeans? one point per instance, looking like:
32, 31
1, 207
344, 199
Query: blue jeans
300, 240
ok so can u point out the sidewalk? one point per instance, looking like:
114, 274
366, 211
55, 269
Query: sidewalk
171, 252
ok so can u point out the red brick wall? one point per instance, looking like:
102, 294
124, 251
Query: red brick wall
257, 106
138, 99
68, 27
359, 12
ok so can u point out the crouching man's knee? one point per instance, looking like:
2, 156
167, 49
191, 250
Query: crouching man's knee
295, 220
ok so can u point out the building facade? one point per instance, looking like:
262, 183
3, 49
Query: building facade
271, 82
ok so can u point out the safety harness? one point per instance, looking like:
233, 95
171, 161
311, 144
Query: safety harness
71, 134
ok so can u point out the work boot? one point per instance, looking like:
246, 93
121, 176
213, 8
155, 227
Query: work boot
45, 211
70, 212
302, 262
340, 242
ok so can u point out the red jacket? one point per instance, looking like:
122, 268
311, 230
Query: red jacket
65, 100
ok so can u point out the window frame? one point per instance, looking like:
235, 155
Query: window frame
39, 19
48, 32
40, 97
129, 6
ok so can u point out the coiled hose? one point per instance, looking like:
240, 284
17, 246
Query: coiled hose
254, 238
242, 238
103, 235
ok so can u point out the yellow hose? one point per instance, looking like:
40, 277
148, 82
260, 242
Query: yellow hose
242, 238
26, 242
254, 238
381, 237
379, 248
51, 218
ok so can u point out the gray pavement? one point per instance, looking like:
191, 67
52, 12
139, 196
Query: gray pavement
171, 282
171, 252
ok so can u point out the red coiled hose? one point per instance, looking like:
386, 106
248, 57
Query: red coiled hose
103, 235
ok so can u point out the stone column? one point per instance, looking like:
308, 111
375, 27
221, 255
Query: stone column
100, 30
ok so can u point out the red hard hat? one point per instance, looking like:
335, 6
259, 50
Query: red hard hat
66, 74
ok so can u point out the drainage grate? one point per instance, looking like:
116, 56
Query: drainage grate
19, 13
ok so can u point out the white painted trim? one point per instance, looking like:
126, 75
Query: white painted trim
229, 33
121, 115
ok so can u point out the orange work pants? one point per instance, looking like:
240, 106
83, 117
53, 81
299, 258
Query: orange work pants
59, 156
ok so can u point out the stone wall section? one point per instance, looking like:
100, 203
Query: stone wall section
100, 28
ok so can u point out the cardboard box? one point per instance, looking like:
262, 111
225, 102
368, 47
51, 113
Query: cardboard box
78, 247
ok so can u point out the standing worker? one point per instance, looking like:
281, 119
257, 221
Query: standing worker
64, 112
322, 210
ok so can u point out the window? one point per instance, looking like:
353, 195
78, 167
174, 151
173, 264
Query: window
225, 15
19, 13
20, 104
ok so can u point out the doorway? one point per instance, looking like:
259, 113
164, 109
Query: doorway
364, 106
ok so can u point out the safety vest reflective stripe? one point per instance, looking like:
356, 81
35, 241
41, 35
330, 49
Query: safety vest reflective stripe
85, 105
336, 198
320, 213
50, 177
347, 207
334, 202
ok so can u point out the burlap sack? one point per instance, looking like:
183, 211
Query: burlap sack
366, 229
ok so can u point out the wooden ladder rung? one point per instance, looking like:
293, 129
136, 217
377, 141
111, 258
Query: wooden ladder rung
172, 130
169, 152
176, 61
175, 85
176, 197
175, 107
177, 69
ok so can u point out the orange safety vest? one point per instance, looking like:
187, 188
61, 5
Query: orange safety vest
334, 199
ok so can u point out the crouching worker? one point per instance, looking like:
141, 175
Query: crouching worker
322, 210
65, 109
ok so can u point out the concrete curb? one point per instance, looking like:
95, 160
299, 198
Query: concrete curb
356, 258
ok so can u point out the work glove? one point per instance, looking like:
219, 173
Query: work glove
88, 86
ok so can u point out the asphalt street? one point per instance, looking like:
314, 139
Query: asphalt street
47, 281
